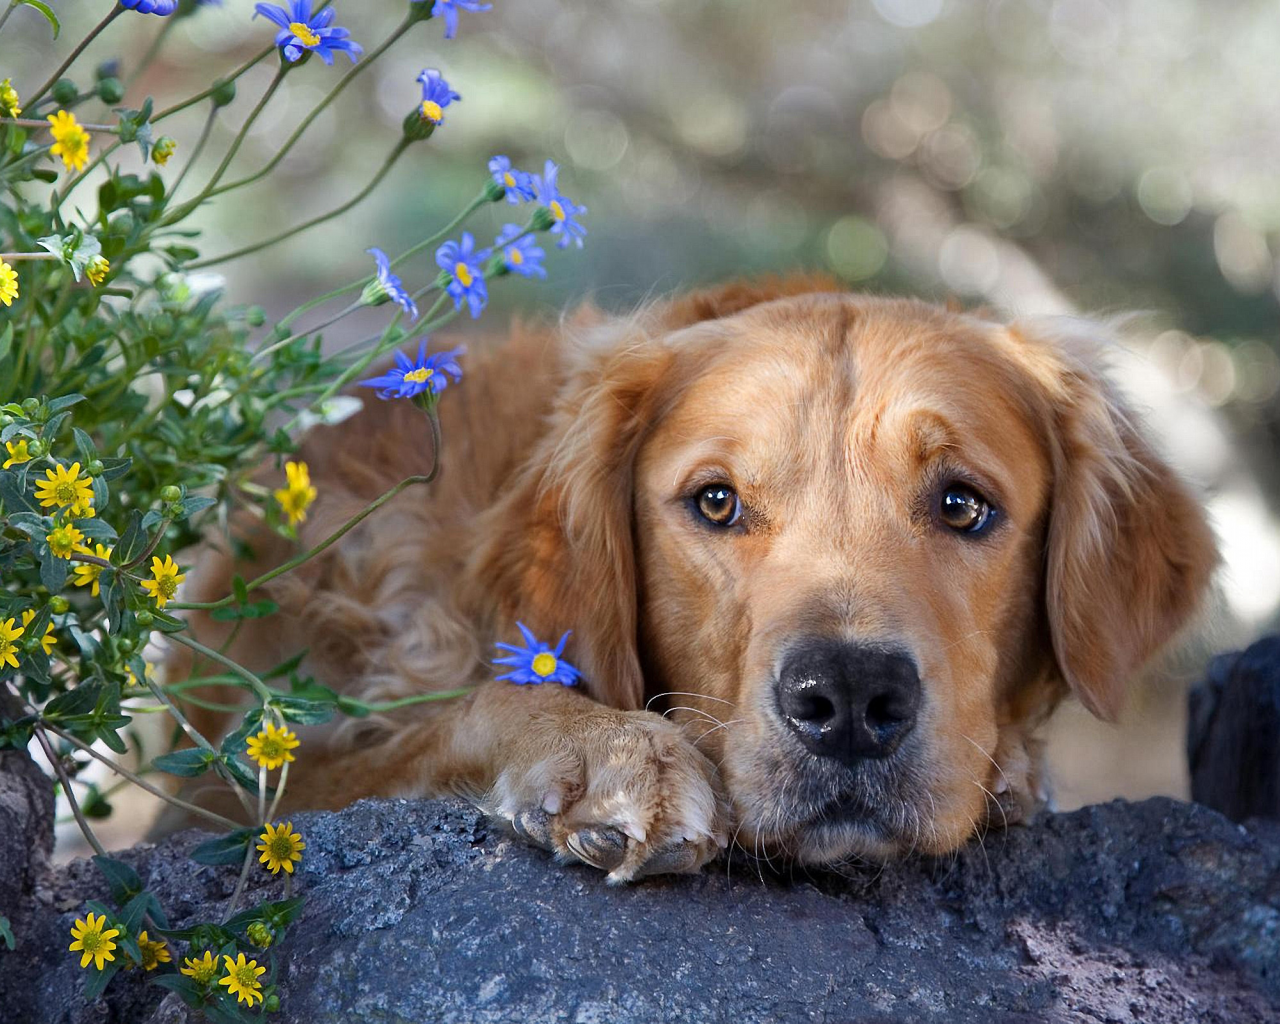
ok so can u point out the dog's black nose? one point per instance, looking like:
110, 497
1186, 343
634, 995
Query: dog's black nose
849, 701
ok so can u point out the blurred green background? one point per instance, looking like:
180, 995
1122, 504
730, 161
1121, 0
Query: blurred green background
1035, 155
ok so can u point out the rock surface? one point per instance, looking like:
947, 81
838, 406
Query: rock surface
421, 912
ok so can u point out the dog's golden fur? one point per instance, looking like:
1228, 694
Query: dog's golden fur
568, 459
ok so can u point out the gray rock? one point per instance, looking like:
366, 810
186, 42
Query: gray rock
421, 912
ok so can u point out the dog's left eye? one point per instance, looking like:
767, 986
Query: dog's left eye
718, 504
964, 509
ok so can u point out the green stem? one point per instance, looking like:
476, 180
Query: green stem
346, 80
138, 781
7, 11
29, 122
261, 688
193, 100
310, 330
394, 155
13, 257
205, 132
236, 143
467, 211
55, 763
116, 11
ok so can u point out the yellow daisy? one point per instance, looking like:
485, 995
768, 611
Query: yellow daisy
63, 488
92, 942
9, 634
273, 746
72, 141
153, 953
242, 979
202, 969
280, 847
64, 539
297, 494
8, 283
86, 573
97, 270
48, 640
18, 453
162, 150
165, 582
10, 104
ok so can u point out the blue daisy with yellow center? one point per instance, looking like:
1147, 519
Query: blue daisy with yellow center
520, 252
387, 287
519, 184
564, 211
536, 662
466, 281
412, 377
303, 31
436, 95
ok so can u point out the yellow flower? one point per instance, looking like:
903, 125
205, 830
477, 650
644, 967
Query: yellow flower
97, 270
18, 453
72, 141
148, 670
242, 979
63, 488
10, 105
153, 953
298, 493
64, 539
86, 573
166, 580
8, 283
92, 942
272, 747
162, 150
259, 934
280, 847
8, 635
202, 969
48, 640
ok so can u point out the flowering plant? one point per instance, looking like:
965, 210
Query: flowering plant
137, 408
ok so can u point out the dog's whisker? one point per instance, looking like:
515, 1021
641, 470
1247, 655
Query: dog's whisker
684, 693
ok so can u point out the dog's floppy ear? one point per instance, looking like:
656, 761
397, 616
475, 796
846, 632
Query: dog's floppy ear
1130, 553
558, 547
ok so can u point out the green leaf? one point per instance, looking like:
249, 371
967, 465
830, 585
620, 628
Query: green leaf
6, 933
47, 11
114, 588
228, 849
96, 529
304, 712
132, 542
121, 878
66, 401
190, 506
53, 570
112, 468
240, 589
257, 610
94, 805
11, 494
285, 668
239, 771
80, 701
186, 763
279, 914
84, 444
96, 981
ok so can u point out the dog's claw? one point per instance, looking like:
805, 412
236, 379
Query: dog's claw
602, 848
534, 826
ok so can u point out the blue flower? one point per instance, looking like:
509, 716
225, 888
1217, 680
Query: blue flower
449, 9
563, 210
436, 95
163, 8
301, 30
412, 377
387, 286
467, 278
536, 662
520, 252
519, 184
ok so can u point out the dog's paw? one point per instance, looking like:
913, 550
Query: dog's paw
622, 791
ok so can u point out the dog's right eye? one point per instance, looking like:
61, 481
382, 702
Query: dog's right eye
719, 505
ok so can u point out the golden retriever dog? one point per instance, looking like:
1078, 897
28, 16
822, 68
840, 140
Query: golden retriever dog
828, 560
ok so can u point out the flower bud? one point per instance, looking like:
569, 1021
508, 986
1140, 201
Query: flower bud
107, 69
419, 11
36, 449
543, 219
110, 90
494, 192
162, 150
223, 94
65, 92
175, 510
125, 646
30, 405
272, 1003
170, 493
260, 935
255, 316
95, 467
145, 618
59, 605
417, 127
5, 419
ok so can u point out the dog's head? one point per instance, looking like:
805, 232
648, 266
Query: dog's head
858, 545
